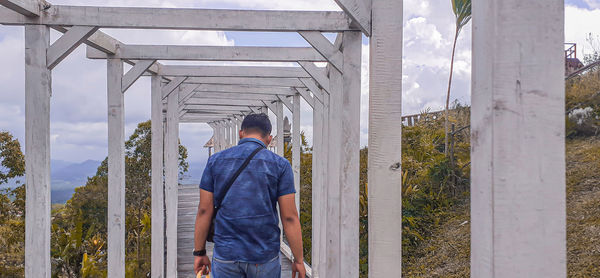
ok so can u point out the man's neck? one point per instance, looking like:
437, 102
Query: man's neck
257, 137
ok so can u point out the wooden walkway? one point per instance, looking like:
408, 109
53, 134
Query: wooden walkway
186, 216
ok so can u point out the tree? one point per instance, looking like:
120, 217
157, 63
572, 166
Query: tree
462, 13
13, 161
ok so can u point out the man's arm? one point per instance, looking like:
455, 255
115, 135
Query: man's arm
293, 231
203, 219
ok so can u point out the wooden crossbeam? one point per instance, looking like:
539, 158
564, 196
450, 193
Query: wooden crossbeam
232, 71
306, 95
211, 53
286, 102
244, 96
171, 86
229, 102
245, 89
314, 88
218, 107
181, 19
359, 11
325, 47
30, 8
255, 81
135, 73
68, 42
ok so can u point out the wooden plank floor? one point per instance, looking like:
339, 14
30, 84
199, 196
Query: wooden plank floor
186, 216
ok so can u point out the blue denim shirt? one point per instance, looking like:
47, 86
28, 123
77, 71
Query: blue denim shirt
247, 224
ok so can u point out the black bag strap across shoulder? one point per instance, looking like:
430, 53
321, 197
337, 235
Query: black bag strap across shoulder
236, 175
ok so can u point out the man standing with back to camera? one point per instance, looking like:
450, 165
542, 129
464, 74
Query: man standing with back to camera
242, 186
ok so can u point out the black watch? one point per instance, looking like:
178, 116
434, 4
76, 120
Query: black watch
200, 253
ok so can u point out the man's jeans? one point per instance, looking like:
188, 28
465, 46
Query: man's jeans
231, 269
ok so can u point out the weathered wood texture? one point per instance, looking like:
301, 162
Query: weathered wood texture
185, 19
231, 71
68, 42
518, 226
349, 161
116, 170
279, 114
172, 180
38, 89
385, 129
158, 201
296, 146
319, 192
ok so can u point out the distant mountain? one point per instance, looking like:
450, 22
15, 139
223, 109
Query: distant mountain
64, 178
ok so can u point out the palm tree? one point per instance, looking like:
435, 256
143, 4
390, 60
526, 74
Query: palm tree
462, 13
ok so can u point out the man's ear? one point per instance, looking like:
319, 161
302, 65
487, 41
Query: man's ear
269, 139
241, 134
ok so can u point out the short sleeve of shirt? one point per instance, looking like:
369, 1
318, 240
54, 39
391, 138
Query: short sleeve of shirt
207, 181
286, 181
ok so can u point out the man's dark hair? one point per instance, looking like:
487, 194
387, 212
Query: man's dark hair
257, 123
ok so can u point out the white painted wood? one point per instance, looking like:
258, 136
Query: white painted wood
172, 180
350, 160
232, 130
313, 87
385, 129
287, 102
307, 97
359, 11
67, 43
38, 89
186, 92
211, 88
271, 106
228, 133
29, 8
116, 170
234, 96
187, 19
172, 86
253, 81
318, 74
317, 189
211, 53
233, 71
279, 114
221, 107
334, 150
296, 146
325, 47
518, 209
136, 72
158, 214
226, 102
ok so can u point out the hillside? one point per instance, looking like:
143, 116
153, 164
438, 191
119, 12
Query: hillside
446, 254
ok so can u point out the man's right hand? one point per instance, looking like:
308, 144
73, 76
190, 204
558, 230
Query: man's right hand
202, 264
298, 267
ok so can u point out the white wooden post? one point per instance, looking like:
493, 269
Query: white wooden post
319, 192
233, 127
518, 211
385, 129
279, 114
228, 128
38, 89
296, 146
116, 170
172, 180
158, 213
350, 155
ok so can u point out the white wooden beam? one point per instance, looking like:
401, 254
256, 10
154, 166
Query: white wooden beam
325, 47
187, 19
30, 8
287, 102
226, 102
245, 89
186, 93
271, 106
38, 89
518, 202
67, 43
136, 72
385, 141
234, 96
314, 88
319, 189
232, 71
359, 11
172, 86
116, 170
317, 74
256, 81
211, 53
172, 180
279, 114
158, 213
217, 107
296, 146
307, 97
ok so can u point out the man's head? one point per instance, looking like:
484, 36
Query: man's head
257, 126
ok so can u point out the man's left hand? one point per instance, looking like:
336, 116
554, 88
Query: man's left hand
202, 264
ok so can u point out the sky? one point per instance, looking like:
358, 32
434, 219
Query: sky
78, 104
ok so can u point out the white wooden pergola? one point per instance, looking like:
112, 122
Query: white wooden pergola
518, 167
